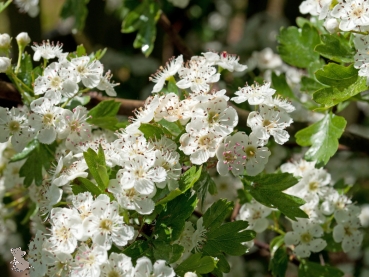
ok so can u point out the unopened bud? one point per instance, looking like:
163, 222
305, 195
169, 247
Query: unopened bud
4, 64
331, 25
23, 39
4, 42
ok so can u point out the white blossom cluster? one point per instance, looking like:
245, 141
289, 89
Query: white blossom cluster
346, 15
322, 201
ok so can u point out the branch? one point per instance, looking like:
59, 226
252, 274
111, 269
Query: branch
173, 35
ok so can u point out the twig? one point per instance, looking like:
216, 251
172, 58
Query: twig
176, 39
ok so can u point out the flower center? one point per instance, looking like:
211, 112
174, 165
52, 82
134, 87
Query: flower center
14, 126
229, 157
256, 215
113, 273
347, 231
75, 126
106, 224
250, 151
213, 117
313, 186
81, 69
306, 237
55, 82
48, 119
204, 141
139, 173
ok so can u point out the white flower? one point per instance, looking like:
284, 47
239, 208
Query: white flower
164, 73
364, 215
306, 238
214, 114
46, 50
117, 265
280, 103
83, 203
105, 226
69, 169
87, 71
254, 94
15, 123
298, 168
241, 152
56, 81
255, 214
76, 129
36, 255
270, 122
332, 25
144, 268
140, 174
46, 196
170, 162
316, 7
354, 13
334, 201
28, 6
88, 261
185, 240
4, 64
347, 230
23, 39
48, 119
59, 264
200, 145
197, 74
66, 230
106, 85
171, 109
362, 56
225, 60
4, 41
130, 199
146, 114
265, 59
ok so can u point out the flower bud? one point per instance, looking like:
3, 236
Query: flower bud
23, 39
4, 64
4, 41
331, 25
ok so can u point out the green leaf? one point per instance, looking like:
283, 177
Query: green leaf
151, 131
204, 184
275, 244
25, 70
308, 269
31, 211
137, 249
332, 96
186, 181
267, 189
323, 137
217, 213
81, 51
196, 263
281, 86
297, 47
332, 246
134, 20
40, 158
228, 238
170, 223
26, 151
172, 127
83, 185
104, 114
4, 5
163, 251
97, 167
279, 262
77, 9
309, 85
147, 28
338, 76
336, 48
